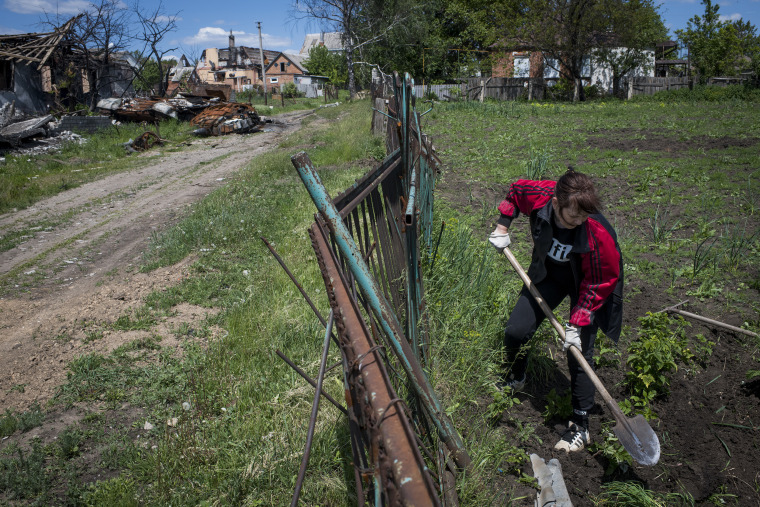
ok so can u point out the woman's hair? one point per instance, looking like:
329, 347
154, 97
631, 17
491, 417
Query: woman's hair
576, 191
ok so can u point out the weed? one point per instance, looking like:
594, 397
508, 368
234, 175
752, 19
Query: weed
558, 407
117, 491
69, 443
526, 432
537, 165
633, 494
11, 422
703, 256
503, 401
610, 448
736, 245
662, 225
22, 476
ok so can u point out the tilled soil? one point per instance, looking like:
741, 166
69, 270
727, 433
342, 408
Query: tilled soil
83, 274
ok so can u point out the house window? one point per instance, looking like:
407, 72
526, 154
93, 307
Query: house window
282, 66
522, 66
6, 75
274, 80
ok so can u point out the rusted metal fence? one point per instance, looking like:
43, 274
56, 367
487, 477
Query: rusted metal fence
368, 243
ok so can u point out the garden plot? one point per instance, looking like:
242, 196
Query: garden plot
680, 185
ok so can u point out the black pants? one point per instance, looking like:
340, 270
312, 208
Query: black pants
525, 319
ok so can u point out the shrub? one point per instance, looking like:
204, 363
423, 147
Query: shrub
290, 90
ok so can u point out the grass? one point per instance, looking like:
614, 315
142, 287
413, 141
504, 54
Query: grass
239, 415
26, 179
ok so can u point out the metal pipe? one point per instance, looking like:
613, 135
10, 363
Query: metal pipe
398, 468
381, 307
310, 381
409, 215
314, 410
293, 279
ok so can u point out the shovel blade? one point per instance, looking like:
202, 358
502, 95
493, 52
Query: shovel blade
639, 439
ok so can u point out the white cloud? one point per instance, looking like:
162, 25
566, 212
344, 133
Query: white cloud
9, 31
164, 19
47, 6
214, 36
731, 17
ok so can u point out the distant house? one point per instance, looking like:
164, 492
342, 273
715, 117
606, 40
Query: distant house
284, 69
331, 40
526, 62
240, 67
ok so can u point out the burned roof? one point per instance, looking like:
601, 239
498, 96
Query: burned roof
33, 47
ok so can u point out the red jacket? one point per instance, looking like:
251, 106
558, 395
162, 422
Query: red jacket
595, 257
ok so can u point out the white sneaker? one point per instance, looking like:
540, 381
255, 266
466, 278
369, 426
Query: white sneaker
575, 438
513, 383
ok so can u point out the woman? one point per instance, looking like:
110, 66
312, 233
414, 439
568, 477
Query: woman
575, 253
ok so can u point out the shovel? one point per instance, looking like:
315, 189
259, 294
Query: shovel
634, 433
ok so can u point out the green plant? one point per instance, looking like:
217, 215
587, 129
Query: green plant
609, 354
525, 432
633, 494
610, 448
736, 245
558, 407
537, 165
290, 90
651, 358
503, 401
662, 225
22, 474
703, 256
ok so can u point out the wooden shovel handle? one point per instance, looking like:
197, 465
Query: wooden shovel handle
611, 404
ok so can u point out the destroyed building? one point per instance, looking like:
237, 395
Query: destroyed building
241, 68
28, 63
44, 71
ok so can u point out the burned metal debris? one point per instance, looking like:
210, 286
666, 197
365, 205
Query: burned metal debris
212, 116
149, 110
226, 118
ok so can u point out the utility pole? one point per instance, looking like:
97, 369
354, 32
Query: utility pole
263, 72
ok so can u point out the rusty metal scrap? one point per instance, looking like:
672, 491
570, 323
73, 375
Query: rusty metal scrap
399, 469
227, 118
183, 108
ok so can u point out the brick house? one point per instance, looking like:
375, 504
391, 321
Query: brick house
283, 69
240, 67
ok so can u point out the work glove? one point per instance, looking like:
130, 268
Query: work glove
500, 241
572, 337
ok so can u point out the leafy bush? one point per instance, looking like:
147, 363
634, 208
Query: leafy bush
699, 93
651, 358
290, 90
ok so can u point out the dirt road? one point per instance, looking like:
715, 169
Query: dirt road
64, 284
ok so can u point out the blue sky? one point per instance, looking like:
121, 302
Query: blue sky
204, 23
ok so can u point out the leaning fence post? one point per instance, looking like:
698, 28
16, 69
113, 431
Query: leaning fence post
381, 308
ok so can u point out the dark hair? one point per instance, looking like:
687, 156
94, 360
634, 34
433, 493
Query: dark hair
575, 190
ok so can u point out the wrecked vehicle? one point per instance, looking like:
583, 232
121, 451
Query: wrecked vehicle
212, 116
226, 118
182, 107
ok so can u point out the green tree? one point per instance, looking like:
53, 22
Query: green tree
637, 27
565, 31
719, 48
322, 62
